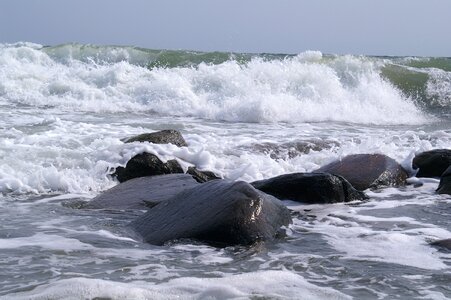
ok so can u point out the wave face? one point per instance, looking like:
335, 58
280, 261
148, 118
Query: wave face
261, 88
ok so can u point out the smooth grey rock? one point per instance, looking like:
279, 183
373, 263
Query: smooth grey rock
142, 192
218, 212
310, 188
160, 137
365, 171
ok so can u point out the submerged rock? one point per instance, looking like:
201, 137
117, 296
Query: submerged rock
160, 137
446, 243
146, 164
310, 188
218, 212
445, 182
201, 176
365, 171
432, 163
292, 149
143, 192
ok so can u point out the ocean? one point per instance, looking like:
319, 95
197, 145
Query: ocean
65, 111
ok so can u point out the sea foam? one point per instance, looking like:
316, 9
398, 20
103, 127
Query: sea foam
303, 88
273, 284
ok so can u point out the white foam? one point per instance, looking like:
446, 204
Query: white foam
272, 284
75, 157
63, 197
353, 234
57, 143
45, 241
439, 87
433, 295
299, 89
381, 246
54, 242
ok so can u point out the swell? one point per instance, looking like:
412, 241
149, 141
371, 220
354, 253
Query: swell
426, 80
235, 87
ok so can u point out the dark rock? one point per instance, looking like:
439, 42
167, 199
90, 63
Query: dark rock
160, 137
445, 182
218, 212
143, 192
146, 164
201, 176
432, 163
365, 171
292, 149
310, 188
446, 243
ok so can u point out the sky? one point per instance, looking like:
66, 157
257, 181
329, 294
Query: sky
370, 27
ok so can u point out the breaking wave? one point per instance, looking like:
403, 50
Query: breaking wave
308, 87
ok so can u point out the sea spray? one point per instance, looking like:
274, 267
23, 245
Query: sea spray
309, 87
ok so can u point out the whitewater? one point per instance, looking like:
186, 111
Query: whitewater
65, 112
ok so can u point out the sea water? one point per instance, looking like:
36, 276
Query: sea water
65, 111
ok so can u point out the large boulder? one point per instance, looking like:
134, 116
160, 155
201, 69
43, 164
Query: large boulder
218, 212
143, 192
146, 164
365, 171
445, 182
160, 137
310, 188
432, 163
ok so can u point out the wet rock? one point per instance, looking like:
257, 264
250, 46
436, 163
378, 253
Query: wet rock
201, 176
446, 244
143, 192
365, 171
310, 188
218, 212
160, 137
444, 186
432, 163
146, 164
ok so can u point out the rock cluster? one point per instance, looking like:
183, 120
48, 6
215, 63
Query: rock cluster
148, 164
201, 206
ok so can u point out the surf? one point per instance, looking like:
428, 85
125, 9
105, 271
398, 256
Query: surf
230, 87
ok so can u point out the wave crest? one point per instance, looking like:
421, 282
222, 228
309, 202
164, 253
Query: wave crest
309, 87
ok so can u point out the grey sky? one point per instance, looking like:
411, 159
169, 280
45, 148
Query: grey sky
382, 27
